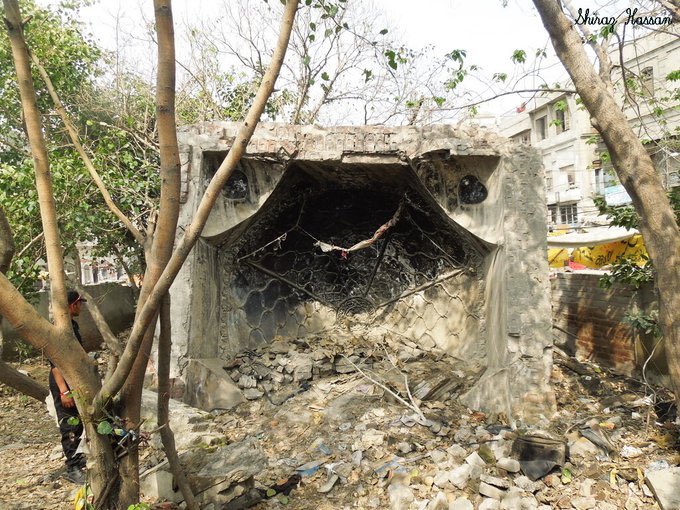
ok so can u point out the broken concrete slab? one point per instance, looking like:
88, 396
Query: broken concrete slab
189, 424
490, 491
217, 475
220, 475
665, 485
508, 464
209, 387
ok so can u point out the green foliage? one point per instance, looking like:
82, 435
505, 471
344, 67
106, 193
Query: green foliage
606, 31
143, 506
646, 322
117, 126
391, 58
627, 271
73, 420
618, 216
561, 105
104, 428
519, 56
25, 351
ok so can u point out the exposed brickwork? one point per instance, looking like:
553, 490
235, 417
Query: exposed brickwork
593, 320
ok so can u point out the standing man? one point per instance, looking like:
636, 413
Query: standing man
70, 425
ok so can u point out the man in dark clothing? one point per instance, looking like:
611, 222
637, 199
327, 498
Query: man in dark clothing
70, 425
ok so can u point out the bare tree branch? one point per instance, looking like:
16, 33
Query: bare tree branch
73, 134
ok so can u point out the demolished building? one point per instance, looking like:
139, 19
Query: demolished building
433, 235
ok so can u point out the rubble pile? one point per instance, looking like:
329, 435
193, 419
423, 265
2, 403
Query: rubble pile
358, 425
279, 371
352, 424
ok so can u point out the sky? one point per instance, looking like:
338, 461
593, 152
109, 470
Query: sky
488, 31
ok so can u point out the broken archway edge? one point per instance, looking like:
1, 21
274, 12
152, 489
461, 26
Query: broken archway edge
513, 336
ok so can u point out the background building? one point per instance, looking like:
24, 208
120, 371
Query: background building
577, 168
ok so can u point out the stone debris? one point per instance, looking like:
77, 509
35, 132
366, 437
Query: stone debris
490, 491
345, 433
665, 484
341, 441
509, 465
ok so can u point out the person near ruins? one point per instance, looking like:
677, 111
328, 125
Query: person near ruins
70, 425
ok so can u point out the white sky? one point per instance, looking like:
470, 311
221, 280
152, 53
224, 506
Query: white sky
486, 30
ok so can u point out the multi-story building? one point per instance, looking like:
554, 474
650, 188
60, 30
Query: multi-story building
576, 164
562, 132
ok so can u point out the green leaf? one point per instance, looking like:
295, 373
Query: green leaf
383, 31
306, 60
561, 105
673, 75
284, 500
391, 58
519, 56
271, 493
566, 476
73, 420
457, 55
324, 76
439, 100
104, 428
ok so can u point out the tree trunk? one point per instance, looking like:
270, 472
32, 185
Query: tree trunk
8, 375
22, 383
164, 235
43, 178
636, 172
147, 313
6, 243
115, 482
167, 436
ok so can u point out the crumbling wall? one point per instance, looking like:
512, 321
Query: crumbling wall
592, 326
471, 186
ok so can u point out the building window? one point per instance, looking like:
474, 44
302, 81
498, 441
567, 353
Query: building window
647, 81
562, 119
542, 127
552, 214
549, 180
571, 175
599, 181
523, 137
568, 214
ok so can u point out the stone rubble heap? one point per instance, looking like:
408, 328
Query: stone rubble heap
323, 429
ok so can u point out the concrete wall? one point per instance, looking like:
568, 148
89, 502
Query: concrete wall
507, 328
591, 325
115, 301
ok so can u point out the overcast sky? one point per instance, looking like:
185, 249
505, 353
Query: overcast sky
486, 30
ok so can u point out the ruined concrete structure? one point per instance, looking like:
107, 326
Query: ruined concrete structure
433, 235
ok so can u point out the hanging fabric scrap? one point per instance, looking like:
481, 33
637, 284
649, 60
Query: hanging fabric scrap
326, 247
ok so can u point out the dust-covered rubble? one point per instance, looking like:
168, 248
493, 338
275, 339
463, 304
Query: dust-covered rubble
347, 424
357, 425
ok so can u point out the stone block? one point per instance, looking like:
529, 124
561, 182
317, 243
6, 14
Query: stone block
665, 484
209, 386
